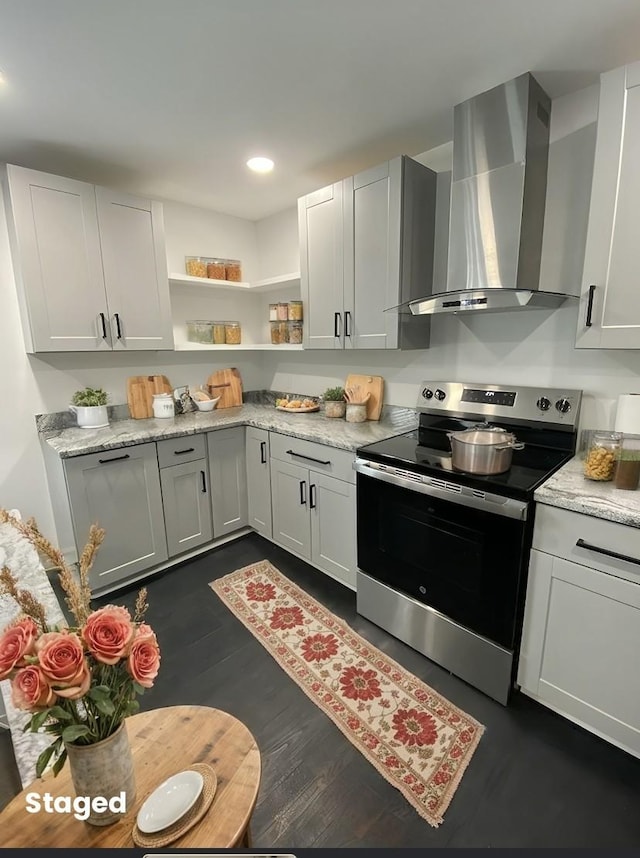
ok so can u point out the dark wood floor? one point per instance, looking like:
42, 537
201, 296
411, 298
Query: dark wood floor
535, 780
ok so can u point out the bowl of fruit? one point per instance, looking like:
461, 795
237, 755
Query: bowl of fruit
297, 406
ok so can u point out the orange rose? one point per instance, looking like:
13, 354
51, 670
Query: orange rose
144, 659
30, 689
62, 661
108, 633
16, 642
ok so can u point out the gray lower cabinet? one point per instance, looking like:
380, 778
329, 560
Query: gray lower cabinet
120, 491
187, 506
314, 516
259, 480
228, 479
581, 633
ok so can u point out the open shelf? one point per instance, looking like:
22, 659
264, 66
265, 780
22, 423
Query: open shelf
244, 347
270, 284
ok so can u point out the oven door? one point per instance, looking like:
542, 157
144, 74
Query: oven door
446, 549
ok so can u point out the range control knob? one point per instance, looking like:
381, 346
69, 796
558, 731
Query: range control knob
563, 406
543, 403
440, 395
427, 393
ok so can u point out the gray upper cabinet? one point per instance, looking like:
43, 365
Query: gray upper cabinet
383, 257
609, 315
228, 479
120, 491
89, 264
258, 480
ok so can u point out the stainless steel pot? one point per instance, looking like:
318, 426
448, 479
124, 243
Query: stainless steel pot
483, 449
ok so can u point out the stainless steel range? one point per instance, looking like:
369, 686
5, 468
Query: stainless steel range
443, 554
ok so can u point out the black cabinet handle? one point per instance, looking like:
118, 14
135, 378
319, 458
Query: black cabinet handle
116, 316
303, 492
337, 319
204, 482
347, 323
103, 322
263, 452
115, 459
312, 496
309, 458
592, 290
182, 452
582, 544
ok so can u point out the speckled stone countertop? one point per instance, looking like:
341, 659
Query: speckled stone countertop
568, 489
312, 426
20, 556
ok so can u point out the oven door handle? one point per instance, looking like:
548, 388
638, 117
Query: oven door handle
491, 503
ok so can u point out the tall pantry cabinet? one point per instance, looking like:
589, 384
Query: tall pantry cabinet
366, 246
89, 263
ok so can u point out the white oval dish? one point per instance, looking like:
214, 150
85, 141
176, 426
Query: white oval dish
169, 802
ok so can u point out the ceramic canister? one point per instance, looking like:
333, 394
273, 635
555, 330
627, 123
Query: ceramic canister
163, 405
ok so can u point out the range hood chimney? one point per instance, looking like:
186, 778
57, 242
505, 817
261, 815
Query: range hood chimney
498, 192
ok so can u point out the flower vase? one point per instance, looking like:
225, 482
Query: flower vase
104, 769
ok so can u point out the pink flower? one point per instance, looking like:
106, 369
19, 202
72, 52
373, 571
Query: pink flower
30, 689
62, 661
16, 642
108, 633
144, 659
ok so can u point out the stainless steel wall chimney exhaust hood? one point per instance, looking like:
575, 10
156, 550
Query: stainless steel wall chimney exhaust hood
498, 192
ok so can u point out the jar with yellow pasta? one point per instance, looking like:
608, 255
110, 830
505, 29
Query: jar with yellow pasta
602, 456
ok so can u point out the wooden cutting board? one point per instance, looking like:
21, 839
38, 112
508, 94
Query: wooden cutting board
374, 386
227, 384
140, 390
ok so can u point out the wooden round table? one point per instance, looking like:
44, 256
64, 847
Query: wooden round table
163, 742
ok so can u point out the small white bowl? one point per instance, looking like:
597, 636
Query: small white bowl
207, 404
170, 801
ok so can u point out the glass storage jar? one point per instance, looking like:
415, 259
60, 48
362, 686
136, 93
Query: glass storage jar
295, 332
232, 333
273, 312
283, 311
602, 456
295, 311
216, 269
219, 333
196, 266
233, 270
199, 331
276, 336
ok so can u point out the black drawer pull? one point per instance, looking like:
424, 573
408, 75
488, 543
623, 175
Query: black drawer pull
204, 482
582, 544
104, 326
337, 324
309, 458
182, 452
303, 492
312, 496
118, 328
115, 459
347, 323
263, 452
592, 290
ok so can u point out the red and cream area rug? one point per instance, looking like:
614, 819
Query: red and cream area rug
415, 738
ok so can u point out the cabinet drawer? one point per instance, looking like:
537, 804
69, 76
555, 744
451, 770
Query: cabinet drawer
584, 539
173, 451
316, 457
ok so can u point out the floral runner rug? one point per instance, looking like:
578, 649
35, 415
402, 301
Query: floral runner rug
415, 738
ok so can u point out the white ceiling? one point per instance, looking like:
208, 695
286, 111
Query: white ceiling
170, 97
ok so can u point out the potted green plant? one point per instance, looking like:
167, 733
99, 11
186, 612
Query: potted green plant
90, 407
334, 402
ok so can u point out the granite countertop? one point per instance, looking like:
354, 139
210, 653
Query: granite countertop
568, 489
312, 426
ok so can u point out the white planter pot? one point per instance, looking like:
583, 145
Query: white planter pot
90, 416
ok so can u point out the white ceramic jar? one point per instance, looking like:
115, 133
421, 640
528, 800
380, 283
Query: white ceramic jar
163, 405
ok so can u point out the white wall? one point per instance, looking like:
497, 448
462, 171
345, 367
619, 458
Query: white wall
531, 347
278, 243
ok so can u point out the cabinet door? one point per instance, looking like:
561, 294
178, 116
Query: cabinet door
120, 491
57, 260
187, 506
579, 649
609, 315
320, 225
135, 271
228, 474
259, 481
290, 505
333, 527
373, 225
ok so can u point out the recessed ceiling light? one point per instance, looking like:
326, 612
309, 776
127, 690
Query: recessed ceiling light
260, 165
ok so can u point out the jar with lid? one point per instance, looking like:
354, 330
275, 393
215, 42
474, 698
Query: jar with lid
295, 332
283, 311
196, 266
276, 336
232, 333
233, 270
219, 333
602, 456
163, 405
273, 312
216, 269
295, 311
